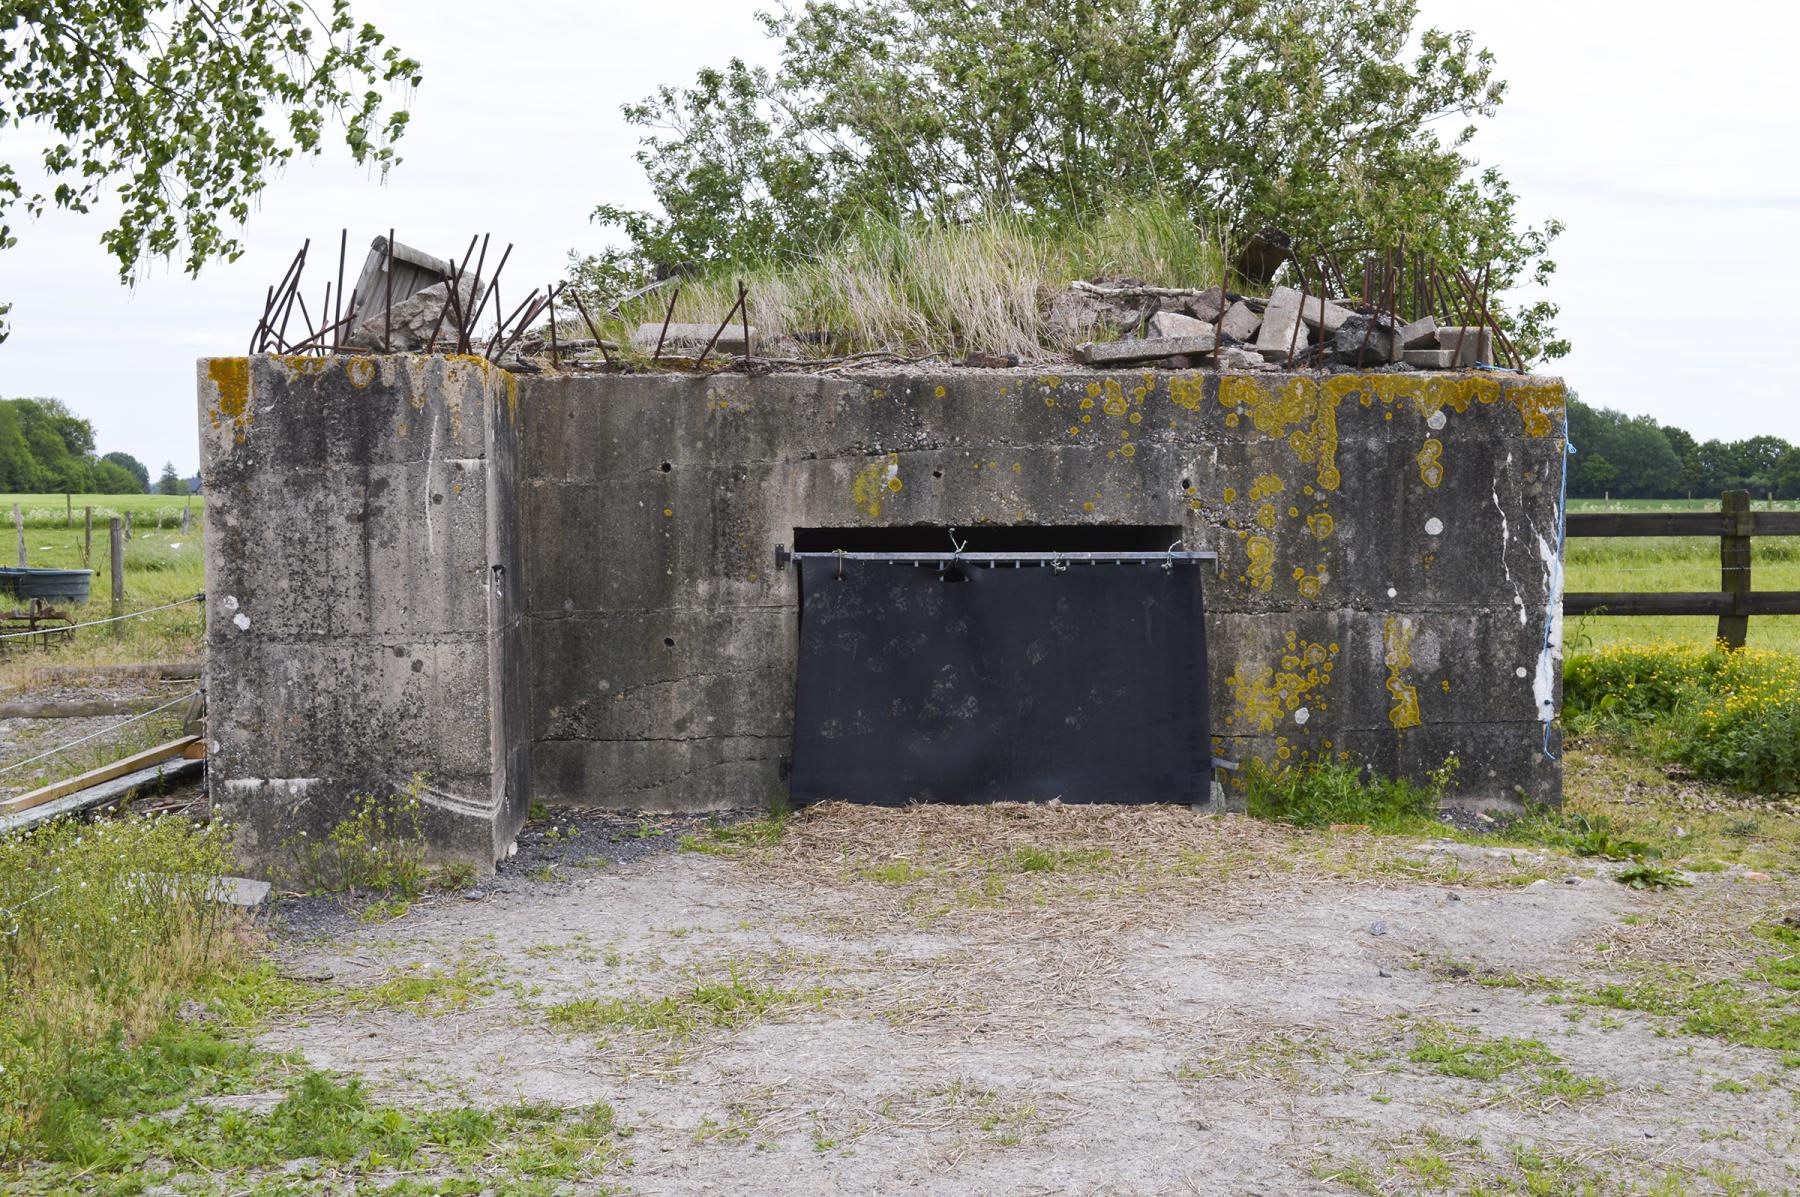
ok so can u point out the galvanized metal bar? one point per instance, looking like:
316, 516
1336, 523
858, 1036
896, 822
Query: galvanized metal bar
947, 556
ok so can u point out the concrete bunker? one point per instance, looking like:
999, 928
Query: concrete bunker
563, 587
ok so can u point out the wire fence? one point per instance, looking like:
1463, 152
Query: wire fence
103, 732
95, 623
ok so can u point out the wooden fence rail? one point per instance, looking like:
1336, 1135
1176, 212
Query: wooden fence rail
1734, 602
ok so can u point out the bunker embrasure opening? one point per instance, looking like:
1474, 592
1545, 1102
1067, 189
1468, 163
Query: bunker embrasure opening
1065, 662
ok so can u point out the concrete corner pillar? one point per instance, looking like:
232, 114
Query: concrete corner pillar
362, 583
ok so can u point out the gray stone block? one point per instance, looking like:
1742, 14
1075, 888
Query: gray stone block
1240, 322
685, 337
1280, 330
1124, 353
1334, 315
1429, 359
1420, 334
1174, 324
1476, 344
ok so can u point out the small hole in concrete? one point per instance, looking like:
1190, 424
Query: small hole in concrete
668, 642
666, 467
1187, 484
937, 473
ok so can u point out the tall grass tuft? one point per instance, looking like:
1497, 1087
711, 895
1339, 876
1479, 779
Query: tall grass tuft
103, 929
934, 286
1335, 792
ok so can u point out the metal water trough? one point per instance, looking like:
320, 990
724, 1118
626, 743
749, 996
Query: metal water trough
30, 582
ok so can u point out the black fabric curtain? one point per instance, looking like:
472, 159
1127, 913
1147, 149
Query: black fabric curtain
1010, 684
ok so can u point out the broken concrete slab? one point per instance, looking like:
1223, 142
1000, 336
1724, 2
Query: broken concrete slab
1124, 353
1420, 334
1367, 341
1240, 323
1332, 318
1175, 324
691, 336
409, 325
1237, 357
1476, 344
1207, 305
1280, 332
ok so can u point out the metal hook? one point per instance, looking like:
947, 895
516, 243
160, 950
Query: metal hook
1169, 564
1058, 565
840, 557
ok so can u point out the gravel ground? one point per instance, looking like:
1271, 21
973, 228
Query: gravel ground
1035, 1000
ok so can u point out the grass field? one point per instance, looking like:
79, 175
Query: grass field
162, 565
1662, 563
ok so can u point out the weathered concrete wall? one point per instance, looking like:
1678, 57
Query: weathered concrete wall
363, 614
1387, 549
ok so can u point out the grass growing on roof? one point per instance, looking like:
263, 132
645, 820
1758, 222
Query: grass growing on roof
921, 286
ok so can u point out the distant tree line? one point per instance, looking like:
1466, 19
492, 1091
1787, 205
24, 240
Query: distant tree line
47, 449
1634, 457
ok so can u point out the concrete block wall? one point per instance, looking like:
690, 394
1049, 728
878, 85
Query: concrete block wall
363, 613
563, 587
1388, 572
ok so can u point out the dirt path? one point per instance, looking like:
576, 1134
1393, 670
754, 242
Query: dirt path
972, 1003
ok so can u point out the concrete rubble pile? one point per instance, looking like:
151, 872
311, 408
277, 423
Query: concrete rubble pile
1216, 328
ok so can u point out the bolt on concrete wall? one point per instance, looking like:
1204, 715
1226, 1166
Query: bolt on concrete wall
362, 597
564, 587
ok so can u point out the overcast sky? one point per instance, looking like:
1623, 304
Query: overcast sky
1665, 144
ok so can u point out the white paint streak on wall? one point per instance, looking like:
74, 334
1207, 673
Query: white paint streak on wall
1543, 686
431, 464
1505, 543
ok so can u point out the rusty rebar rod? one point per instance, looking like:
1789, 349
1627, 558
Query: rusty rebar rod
667, 316
592, 327
720, 331
387, 316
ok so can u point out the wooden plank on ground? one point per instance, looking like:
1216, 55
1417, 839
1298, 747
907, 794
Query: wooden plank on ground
93, 777
162, 773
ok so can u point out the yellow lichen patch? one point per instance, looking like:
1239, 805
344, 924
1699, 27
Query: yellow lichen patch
1265, 694
1319, 524
231, 375
231, 378
298, 365
939, 392
875, 481
1537, 402
1265, 516
1189, 391
1261, 572
1396, 653
1298, 410
1231, 494
360, 371
1431, 466
1128, 452
1114, 404
1310, 585
1265, 485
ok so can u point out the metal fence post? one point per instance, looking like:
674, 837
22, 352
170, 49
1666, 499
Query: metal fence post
117, 527
19, 527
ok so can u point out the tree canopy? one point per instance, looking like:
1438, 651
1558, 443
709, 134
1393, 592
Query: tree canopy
44, 447
182, 110
1311, 116
1632, 457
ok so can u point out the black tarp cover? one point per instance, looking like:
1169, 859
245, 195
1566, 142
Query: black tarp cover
1014, 684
